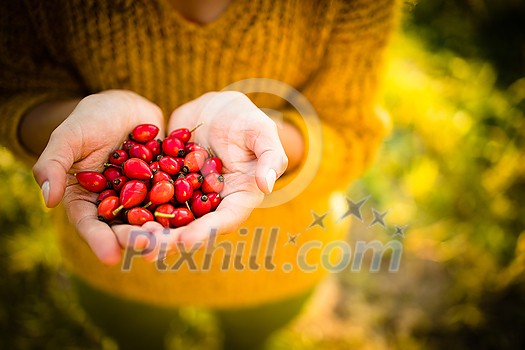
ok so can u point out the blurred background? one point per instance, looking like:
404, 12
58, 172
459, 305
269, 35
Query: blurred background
452, 170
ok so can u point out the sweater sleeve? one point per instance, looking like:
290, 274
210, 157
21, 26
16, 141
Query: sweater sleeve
29, 75
344, 90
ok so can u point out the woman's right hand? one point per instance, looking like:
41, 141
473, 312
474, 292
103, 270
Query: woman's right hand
97, 126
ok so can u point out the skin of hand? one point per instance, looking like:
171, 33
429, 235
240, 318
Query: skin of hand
97, 126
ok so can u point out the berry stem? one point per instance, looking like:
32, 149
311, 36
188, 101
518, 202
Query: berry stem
164, 215
197, 126
116, 211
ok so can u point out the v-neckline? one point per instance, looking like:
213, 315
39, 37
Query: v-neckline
224, 17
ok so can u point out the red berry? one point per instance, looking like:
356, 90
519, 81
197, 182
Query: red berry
194, 161
213, 183
106, 207
196, 194
137, 169
164, 213
105, 194
201, 206
161, 192
160, 176
182, 134
127, 144
139, 216
192, 146
195, 180
133, 193
169, 165
155, 146
92, 181
144, 132
173, 147
211, 165
142, 152
181, 217
154, 166
118, 157
183, 190
215, 200
119, 182
180, 161
112, 173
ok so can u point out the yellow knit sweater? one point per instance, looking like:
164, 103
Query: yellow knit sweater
331, 51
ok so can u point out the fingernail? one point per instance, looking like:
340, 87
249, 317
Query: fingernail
45, 191
271, 176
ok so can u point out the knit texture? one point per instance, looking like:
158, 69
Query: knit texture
331, 51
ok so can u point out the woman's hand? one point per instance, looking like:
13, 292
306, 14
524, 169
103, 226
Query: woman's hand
247, 142
96, 127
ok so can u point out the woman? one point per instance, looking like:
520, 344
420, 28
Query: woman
93, 70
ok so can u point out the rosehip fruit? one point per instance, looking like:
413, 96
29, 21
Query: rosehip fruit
211, 165
160, 176
92, 181
194, 161
183, 190
201, 206
127, 144
155, 146
135, 168
215, 200
133, 193
154, 166
139, 216
105, 194
195, 180
182, 134
192, 146
169, 165
181, 217
107, 207
212, 183
161, 192
196, 194
142, 152
144, 132
112, 173
119, 182
118, 157
164, 213
173, 147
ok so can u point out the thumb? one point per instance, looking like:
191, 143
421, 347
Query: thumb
51, 169
271, 158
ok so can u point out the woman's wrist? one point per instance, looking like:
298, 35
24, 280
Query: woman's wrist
39, 122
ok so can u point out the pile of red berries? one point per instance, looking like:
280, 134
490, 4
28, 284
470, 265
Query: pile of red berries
172, 181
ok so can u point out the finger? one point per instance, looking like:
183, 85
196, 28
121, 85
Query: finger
51, 169
229, 215
187, 115
152, 240
97, 234
271, 158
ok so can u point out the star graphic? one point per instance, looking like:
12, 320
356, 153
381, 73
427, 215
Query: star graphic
400, 231
379, 218
292, 239
354, 208
318, 220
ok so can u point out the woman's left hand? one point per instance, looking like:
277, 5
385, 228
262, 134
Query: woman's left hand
247, 142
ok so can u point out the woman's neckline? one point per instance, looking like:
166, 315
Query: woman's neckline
223, 16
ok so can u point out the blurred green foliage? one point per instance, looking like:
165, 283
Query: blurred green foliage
453, 170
